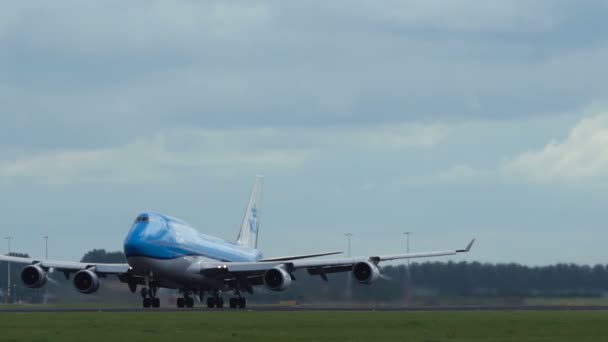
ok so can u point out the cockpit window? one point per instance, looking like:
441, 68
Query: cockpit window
142, 218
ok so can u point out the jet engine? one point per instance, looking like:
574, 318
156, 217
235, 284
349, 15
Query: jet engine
365, 272
277, 279
33, 276
86, 281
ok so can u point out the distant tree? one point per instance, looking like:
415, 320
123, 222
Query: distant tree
100, 255
19, 255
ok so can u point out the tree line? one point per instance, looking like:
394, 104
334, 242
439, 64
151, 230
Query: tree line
427, 279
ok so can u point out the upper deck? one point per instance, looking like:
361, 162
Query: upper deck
163, 237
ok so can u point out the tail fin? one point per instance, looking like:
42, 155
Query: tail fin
248, 236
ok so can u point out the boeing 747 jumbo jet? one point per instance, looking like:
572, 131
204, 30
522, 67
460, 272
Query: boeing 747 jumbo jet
166, 252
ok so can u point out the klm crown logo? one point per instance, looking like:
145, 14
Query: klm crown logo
253, 221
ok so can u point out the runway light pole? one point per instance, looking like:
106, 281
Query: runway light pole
8, 264
349, 280
46, 247
348, 236
46, 257
408, 283
407, 245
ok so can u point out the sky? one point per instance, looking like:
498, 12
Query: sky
451, 120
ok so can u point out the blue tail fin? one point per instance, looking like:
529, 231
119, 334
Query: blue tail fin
248, 235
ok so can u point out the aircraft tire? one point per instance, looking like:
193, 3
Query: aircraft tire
233, 302
242, 303
210, 302
220, 303
180, 302
147, 302
156, 302
190, 302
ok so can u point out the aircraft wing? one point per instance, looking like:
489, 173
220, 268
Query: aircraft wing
69, 266
295, 257
313, 266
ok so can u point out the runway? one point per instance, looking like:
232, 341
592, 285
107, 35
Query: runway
260, 308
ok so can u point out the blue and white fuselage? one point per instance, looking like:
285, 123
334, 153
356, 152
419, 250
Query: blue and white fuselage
162, 237
166, 247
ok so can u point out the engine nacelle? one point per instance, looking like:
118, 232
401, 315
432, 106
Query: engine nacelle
33, 276
365, 272
86, 281
277, 279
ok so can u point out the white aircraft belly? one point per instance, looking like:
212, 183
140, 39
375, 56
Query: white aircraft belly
172, 273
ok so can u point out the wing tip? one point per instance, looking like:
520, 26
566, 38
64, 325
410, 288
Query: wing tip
468, 248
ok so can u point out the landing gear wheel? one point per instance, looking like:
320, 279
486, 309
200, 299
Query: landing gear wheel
210, 302
156, 302
242, 302
180, 302
219, 303
147, 302
189, 302
233, 302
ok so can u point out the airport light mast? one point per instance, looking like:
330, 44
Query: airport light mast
46, 247
348, 236
8, 264
349, 281
407, 245
408, 284
46, 257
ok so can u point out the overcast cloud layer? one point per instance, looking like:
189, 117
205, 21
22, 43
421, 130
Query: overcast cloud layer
451, 119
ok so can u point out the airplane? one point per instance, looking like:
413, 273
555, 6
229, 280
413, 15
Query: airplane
166, 252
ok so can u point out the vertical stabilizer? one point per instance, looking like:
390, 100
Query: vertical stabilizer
248, 235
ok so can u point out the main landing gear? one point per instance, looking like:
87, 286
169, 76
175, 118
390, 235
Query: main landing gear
149, 298
186, 301
238, 302
234, 302
215, 302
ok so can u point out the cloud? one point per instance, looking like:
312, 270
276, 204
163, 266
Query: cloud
581, 158
333, 100
468, 15
366, 187
461, 173
146, 161
392, 137
98, 75
165, 156
457, 174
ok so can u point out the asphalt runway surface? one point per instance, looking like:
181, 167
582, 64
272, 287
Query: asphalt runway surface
255, 308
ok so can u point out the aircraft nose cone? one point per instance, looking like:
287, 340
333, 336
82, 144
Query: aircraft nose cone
134, 243
132, 248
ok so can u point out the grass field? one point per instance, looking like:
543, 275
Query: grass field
306, 326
